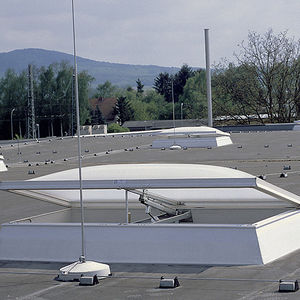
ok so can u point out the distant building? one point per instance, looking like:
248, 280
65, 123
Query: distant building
106, 106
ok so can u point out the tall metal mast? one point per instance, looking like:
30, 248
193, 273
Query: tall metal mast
81, 268
82, 258
30, 107
173, 103
73, 119
208, 79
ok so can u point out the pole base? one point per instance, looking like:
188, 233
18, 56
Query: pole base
78, 269
175, 147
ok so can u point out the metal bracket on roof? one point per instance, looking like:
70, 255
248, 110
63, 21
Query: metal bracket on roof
175, 211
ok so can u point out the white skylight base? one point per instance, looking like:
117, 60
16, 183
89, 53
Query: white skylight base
2, 164
193, 142
78, 269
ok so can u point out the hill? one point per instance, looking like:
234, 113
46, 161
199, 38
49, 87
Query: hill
118, 74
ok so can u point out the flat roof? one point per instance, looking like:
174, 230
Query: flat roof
256, 153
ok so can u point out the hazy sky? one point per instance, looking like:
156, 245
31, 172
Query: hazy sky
158, 32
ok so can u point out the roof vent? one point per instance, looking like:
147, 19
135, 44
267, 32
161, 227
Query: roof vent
166, 283
288, 286
88, 280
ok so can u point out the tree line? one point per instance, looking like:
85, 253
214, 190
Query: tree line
261, 85
264, 82
53, 100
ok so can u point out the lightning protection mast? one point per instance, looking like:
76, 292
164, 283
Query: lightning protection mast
30, 107
82, 267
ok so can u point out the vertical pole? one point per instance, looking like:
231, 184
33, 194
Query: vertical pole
52, 131
208, 79
173, 111
72, 106
20, 131
82, 258
30, 107
38, 131
18, 139
11, 124
126, 198
181, 111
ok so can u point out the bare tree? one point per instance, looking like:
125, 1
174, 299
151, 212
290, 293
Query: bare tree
274, 61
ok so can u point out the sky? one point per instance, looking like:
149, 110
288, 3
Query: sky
145, 32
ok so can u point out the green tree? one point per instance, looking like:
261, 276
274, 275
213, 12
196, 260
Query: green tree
238, 94
106, 90
13, 95
64, 82
84, 82
46, 99
96, 116
180, 79
151, 106
163, 85
194, 96
139, 87
114, 128
123, 110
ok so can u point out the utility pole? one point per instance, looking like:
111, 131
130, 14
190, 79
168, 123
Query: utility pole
73, 109
208, 79
12, 124
181, 111
31, 129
